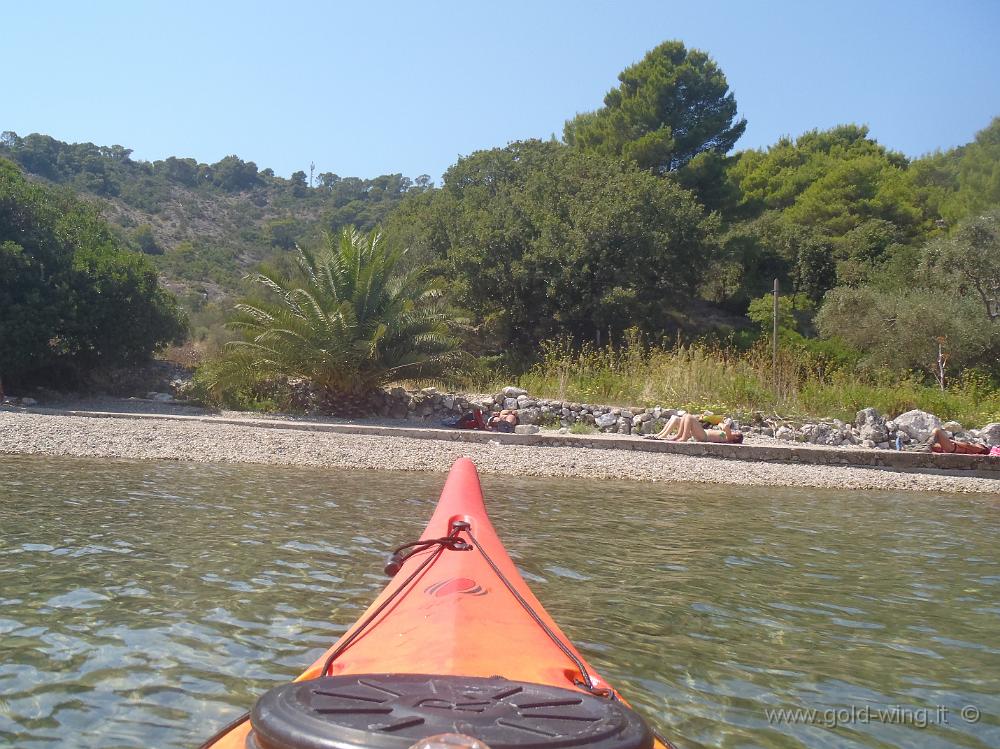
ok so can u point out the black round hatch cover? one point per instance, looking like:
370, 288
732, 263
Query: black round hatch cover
393, 711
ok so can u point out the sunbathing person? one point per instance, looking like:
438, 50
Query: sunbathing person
687, 427
942, 442
504, 421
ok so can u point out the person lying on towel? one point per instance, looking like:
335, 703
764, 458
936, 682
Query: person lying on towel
942, 442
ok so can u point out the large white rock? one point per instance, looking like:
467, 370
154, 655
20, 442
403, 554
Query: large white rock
512, 392
917, 424
526, 429
991, 434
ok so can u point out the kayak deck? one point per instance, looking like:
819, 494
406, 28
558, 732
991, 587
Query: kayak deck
456, 608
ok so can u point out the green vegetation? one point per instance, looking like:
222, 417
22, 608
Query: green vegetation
701, 377
66, 287
641, 225
348, 321
672, 106
539, 239
207, 225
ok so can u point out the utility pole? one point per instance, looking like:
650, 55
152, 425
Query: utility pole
312, 168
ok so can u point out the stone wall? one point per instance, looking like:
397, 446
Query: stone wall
870, 429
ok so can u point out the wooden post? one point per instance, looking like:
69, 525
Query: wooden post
774, 337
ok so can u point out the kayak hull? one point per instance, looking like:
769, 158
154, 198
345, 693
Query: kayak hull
451, 612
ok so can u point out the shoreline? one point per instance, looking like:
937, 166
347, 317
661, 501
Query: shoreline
141, 432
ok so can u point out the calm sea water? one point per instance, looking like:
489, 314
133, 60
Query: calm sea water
146, 604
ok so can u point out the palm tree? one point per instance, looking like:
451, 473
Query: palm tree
349, 322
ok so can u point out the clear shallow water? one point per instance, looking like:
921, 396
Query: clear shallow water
146, 604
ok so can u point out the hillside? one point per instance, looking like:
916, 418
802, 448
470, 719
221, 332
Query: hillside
206, 225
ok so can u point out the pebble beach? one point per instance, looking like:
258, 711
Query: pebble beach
137, 434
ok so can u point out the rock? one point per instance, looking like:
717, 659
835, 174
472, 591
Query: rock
510, 404
606, 421
624, 425
953, 426
526, 429
990, 434
33, 402
868, 443
529, 415
653, 426
767, 431
917, 424
522, 401
429, 391
883, 445
785, 433
513, 392
159, 397
448, 402
871, 426
816, 433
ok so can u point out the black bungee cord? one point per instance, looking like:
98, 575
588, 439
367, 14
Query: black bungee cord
452, 542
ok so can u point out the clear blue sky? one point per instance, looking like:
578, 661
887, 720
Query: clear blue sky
364, 89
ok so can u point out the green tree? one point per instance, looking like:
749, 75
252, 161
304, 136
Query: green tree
72, 298
671, 106
900, 329
538, 239
971, 257
145, 240
349, 322
233, 174
977, 173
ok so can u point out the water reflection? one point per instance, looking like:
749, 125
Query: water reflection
144, 603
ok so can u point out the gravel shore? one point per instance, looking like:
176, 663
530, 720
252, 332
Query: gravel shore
26, 432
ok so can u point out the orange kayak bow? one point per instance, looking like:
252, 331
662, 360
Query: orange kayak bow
456, 643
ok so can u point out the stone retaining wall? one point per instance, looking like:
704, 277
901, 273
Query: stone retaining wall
870, 428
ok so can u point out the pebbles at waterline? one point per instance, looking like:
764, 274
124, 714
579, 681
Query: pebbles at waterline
203, 441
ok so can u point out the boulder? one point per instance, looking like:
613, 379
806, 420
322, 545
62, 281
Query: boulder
953, 426
529, 415
513, 392
606, 421
526, 429
785, 433
624, 425
917, 424
652, 426
871, 425
816, 433
990, 434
